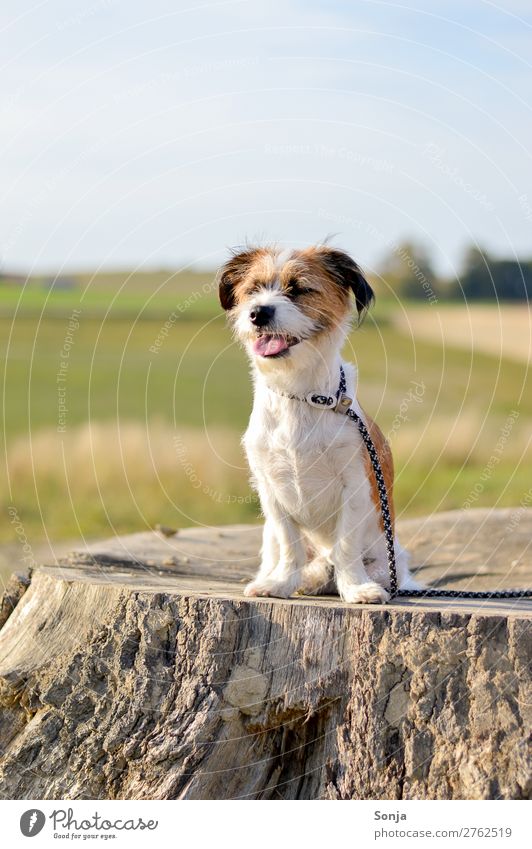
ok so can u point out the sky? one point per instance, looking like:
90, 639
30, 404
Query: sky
157, 135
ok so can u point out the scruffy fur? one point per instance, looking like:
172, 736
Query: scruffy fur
310, 466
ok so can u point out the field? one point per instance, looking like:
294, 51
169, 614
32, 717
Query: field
501, 331
123, 408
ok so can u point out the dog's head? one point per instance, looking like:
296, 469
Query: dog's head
281, 302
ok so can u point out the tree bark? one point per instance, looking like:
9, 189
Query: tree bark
136, 669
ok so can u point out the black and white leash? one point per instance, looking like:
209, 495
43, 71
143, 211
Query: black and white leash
341, 403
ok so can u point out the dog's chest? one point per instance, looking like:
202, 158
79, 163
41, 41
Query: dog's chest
300, 456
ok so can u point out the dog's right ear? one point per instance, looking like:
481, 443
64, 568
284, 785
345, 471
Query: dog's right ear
231, 274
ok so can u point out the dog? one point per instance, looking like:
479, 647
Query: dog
323, 530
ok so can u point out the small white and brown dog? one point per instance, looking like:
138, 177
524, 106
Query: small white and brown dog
291, 309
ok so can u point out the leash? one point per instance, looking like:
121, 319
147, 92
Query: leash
341, 403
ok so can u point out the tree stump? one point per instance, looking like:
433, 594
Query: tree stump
136, 669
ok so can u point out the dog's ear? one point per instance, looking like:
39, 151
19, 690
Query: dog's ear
231, 274
346, 271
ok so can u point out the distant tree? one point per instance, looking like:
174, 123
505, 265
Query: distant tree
408, 269
485, 277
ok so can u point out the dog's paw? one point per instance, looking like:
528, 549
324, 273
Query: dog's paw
269, 587
369, 593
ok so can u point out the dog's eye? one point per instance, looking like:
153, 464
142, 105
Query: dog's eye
295, 289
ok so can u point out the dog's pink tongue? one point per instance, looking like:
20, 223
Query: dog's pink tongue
268, 346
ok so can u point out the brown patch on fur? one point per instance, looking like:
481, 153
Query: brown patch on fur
384, 454
328, 303
348, 275
234, 277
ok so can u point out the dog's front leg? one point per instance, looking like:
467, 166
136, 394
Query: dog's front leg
352, 579
269, 553
283, 540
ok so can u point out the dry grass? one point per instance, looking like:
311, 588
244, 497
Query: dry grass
91, 456
503, 331
103, 478
445, 438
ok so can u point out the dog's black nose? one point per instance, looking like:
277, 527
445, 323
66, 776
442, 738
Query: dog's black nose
260, 316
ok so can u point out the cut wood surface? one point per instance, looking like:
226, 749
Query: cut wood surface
136, 669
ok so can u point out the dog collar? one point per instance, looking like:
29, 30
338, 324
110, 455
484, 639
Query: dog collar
340, 403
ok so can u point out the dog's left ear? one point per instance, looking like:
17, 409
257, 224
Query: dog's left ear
349, 274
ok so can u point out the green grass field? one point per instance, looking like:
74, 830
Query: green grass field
157, 393
141, 295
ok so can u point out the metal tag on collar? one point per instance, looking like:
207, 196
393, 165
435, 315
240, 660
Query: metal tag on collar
343, 404
323, 402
